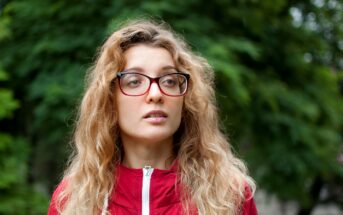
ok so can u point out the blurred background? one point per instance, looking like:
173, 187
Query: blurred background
279, 84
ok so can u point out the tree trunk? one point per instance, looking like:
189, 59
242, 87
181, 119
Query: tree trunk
315, 191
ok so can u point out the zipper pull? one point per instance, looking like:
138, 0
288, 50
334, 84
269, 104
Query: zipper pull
148, 170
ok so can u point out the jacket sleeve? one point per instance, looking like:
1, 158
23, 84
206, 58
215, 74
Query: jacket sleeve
52, 207
249, 206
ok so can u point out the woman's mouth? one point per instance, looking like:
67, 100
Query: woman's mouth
156, 116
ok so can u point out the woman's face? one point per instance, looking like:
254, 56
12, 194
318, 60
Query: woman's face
151, 117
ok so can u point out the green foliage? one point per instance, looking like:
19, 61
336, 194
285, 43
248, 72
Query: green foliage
7, 103
277, 78
16, 197
12, 160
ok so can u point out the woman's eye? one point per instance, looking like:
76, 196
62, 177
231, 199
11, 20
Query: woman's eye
170, 82
133, 83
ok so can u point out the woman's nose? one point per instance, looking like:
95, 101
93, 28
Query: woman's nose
154, 94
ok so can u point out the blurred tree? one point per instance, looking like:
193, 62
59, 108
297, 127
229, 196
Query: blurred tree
278, 65
16, 197
46, 47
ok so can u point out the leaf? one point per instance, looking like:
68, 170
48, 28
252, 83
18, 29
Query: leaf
7, 103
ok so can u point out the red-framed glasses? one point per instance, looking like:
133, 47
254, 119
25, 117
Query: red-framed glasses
137, 84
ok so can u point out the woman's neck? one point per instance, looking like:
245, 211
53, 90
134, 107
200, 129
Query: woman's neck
157, 155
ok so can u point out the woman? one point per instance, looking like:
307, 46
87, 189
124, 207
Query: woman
147, 139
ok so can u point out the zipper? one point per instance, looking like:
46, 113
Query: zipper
147, 171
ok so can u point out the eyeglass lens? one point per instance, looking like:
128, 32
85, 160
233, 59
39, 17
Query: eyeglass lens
138, 84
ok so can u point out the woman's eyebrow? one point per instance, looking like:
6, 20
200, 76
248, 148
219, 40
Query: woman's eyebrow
139, 69
136, 69
169, 67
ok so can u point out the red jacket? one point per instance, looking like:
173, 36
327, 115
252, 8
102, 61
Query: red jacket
148, 191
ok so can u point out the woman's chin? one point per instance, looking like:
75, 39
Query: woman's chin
154, 137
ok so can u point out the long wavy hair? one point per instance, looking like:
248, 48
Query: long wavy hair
212, 178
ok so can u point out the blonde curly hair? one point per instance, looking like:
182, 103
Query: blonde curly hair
213, 179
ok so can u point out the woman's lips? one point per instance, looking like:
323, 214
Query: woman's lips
156, 117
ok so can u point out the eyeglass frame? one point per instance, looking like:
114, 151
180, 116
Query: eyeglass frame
153, 80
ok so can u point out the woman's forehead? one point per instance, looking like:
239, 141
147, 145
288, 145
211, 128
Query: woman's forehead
144, 57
